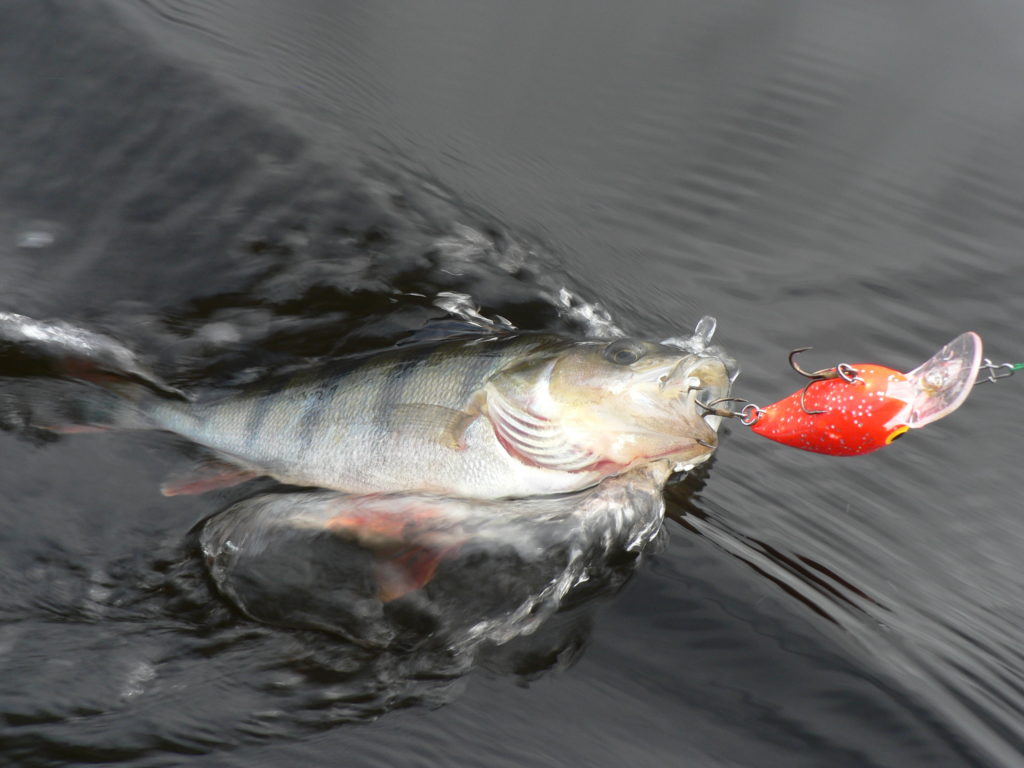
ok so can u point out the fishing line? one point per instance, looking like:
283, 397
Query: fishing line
996, 371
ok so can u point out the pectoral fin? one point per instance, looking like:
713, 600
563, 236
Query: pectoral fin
206, 475
446, 426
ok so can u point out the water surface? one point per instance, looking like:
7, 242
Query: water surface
235, 187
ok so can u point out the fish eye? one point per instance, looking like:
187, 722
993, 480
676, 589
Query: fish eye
624, 352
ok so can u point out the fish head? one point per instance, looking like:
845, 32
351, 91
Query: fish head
609, 405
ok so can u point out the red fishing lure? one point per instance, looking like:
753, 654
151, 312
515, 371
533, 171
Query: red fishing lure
839, 417
855, 409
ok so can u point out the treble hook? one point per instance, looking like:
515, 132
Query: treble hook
748, 415
824, 373
843, 371
803, 398
723, 412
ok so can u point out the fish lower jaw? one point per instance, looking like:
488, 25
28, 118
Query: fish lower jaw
713, 421
686, 466
681, 456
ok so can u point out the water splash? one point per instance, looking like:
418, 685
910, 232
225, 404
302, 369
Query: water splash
699, 343
462, 306
466, 247
594, 318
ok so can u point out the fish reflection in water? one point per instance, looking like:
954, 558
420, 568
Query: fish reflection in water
515, 594
502, 567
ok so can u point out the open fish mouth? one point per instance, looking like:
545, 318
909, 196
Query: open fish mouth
705, 381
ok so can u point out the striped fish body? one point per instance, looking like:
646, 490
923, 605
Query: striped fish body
400, 421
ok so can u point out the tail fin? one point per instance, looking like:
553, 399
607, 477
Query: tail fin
71, 406
60, 378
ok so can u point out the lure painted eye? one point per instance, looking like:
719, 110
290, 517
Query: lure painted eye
896, 434
624, 352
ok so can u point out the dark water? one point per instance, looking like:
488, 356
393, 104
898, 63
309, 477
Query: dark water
233, 187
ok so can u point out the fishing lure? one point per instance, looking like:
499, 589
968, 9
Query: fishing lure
851, 410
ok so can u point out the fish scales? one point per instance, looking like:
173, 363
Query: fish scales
401, 385
304, 426
261, 407
311, 419
287, 403
434, 379
383, 448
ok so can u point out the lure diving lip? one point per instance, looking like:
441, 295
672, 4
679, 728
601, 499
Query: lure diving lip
856, 409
